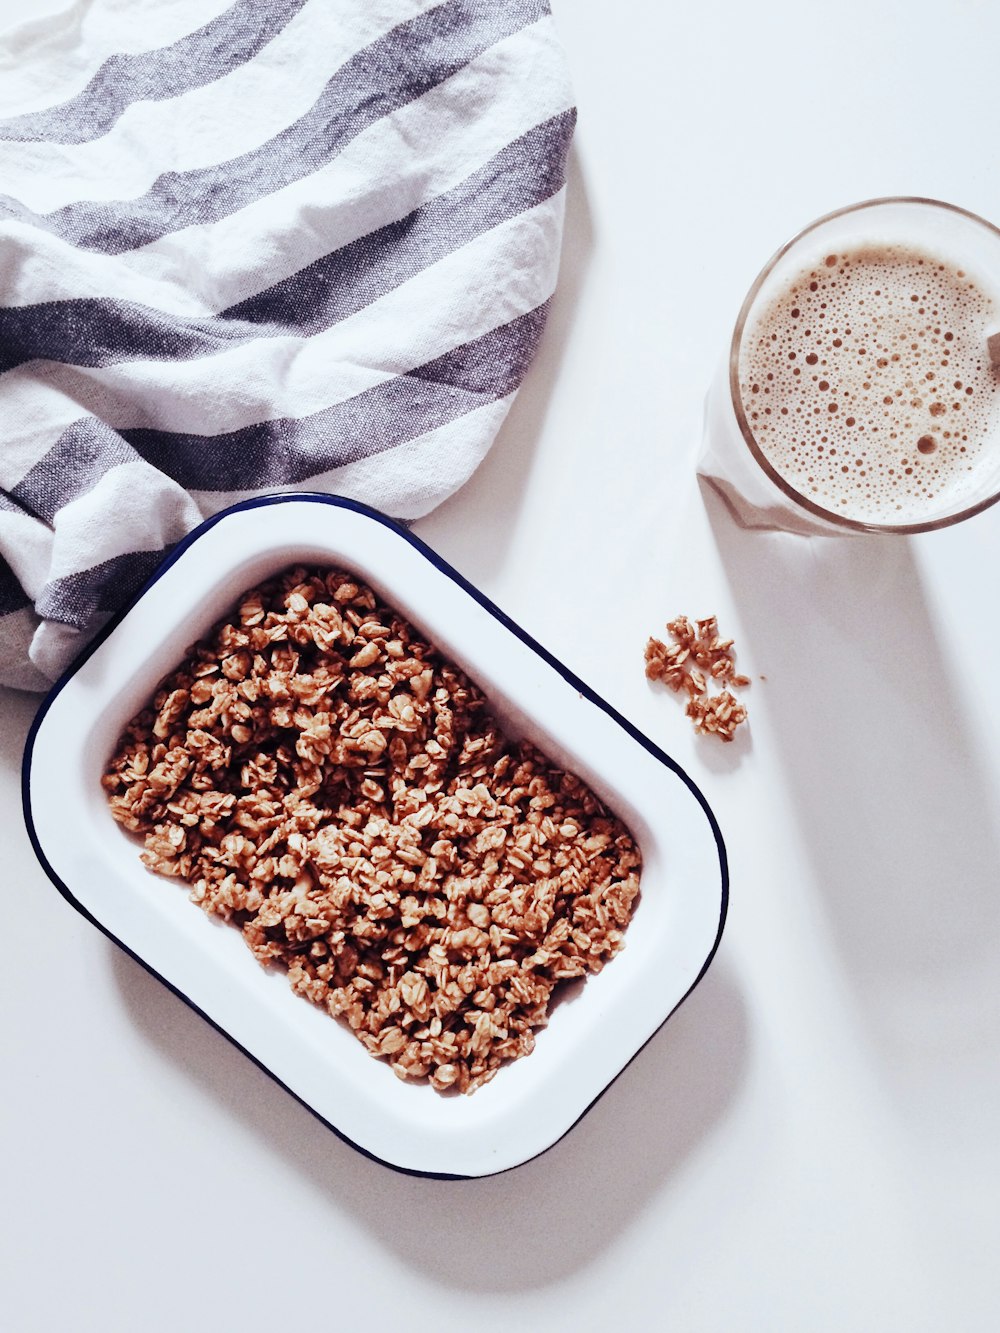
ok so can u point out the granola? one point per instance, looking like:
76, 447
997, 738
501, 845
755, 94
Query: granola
698, 649
326, 781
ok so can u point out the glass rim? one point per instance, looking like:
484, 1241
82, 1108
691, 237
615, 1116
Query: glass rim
803, 501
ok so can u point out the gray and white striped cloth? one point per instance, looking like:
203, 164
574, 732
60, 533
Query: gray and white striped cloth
248, 247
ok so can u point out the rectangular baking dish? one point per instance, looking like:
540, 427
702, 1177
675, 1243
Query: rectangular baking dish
95, 865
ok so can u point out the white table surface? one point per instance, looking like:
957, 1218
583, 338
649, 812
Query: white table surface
810, 1143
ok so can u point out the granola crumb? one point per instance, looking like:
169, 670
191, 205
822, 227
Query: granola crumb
698, 656
328, 783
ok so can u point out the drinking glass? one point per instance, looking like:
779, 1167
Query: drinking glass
732, 458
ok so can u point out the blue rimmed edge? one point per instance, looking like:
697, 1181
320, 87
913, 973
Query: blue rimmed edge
342, 502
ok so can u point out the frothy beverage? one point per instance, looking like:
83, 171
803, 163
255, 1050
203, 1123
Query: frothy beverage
867, 384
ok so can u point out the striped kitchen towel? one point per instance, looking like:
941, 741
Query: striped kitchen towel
248, 247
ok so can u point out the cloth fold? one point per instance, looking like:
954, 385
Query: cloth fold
256, 248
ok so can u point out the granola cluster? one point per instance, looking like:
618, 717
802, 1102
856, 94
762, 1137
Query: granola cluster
327, 782
698, 649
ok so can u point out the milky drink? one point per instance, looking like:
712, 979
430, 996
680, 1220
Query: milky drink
866, 383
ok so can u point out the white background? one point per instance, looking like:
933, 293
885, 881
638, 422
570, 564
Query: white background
810, 1143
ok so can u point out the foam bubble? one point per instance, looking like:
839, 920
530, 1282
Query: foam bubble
867, 384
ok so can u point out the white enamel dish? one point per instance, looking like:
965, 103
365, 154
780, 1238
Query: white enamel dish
95, 865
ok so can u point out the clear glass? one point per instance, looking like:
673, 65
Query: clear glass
732, 458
